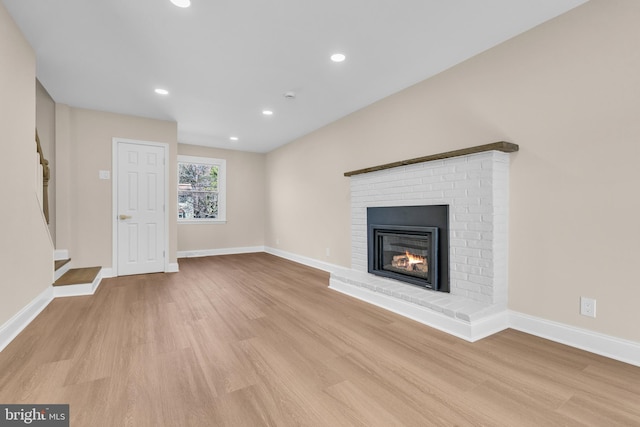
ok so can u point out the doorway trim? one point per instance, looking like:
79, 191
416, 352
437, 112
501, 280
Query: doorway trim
168, 268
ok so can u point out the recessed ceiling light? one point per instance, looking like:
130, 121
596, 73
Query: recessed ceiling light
233, 138
267, 112
160, 91
181, 3
338, 57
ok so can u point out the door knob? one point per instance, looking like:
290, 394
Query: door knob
125, 216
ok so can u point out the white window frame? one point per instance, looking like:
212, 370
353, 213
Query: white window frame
222, 188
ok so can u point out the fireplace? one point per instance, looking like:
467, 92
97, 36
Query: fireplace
410, 244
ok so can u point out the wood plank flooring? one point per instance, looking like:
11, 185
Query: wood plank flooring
255, 340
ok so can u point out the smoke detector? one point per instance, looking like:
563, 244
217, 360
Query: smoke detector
290, 95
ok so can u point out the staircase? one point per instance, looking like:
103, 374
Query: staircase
75, 281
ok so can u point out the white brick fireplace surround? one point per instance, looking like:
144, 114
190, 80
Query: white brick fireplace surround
476, 188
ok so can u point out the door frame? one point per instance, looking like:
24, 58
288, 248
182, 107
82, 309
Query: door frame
114, 199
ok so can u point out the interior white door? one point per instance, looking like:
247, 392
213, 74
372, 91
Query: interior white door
141, 204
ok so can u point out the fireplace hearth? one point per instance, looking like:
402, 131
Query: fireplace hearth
410, 244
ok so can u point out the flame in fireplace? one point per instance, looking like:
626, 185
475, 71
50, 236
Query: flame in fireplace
410, 262
415, 259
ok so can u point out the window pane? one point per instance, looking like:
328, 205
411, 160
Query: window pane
198, 176
194, 204
197, 191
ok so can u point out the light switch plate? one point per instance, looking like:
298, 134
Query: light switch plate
105, 175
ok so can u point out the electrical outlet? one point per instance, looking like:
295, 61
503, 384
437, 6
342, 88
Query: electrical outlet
277, 241
588, 307
327, 252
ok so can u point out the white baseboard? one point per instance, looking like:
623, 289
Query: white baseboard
60, 254
107, 273
320, 265
21, 320
222, 251
593, 342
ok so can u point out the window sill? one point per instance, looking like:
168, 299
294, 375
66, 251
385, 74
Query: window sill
202, 221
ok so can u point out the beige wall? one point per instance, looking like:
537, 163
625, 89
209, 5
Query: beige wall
245, 204
84, 144
46, 126
568, 93
26, 251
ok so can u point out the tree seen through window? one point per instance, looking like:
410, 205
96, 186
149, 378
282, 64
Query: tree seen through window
198, 191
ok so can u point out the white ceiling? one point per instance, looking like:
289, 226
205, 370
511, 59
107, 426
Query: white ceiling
224, 61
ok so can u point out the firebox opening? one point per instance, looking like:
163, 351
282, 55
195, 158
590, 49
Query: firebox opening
410, 244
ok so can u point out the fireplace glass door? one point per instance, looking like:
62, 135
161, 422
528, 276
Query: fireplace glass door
407, 254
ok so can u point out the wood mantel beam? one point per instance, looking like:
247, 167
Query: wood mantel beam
505, 147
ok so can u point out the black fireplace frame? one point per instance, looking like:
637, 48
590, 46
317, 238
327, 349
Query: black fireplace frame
414, 216
377, 266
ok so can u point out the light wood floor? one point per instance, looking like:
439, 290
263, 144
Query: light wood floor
252, 340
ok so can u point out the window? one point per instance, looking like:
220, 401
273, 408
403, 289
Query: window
201, 189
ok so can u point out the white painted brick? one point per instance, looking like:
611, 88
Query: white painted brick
458, 209
480, 280
482, 209
468, 217
456, 193
414, 172
469, 183
480, 192
459, 259
468, 235
480, 174
444, 170
485, 227
467, 201
487, 254
458, 275
483, 298
457, 176
419, 188
468, 166
435, 197
480, 244
486, 290
469, 269
412, 181
468, 252
432, 179
458, 243
488, 235
442, 185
